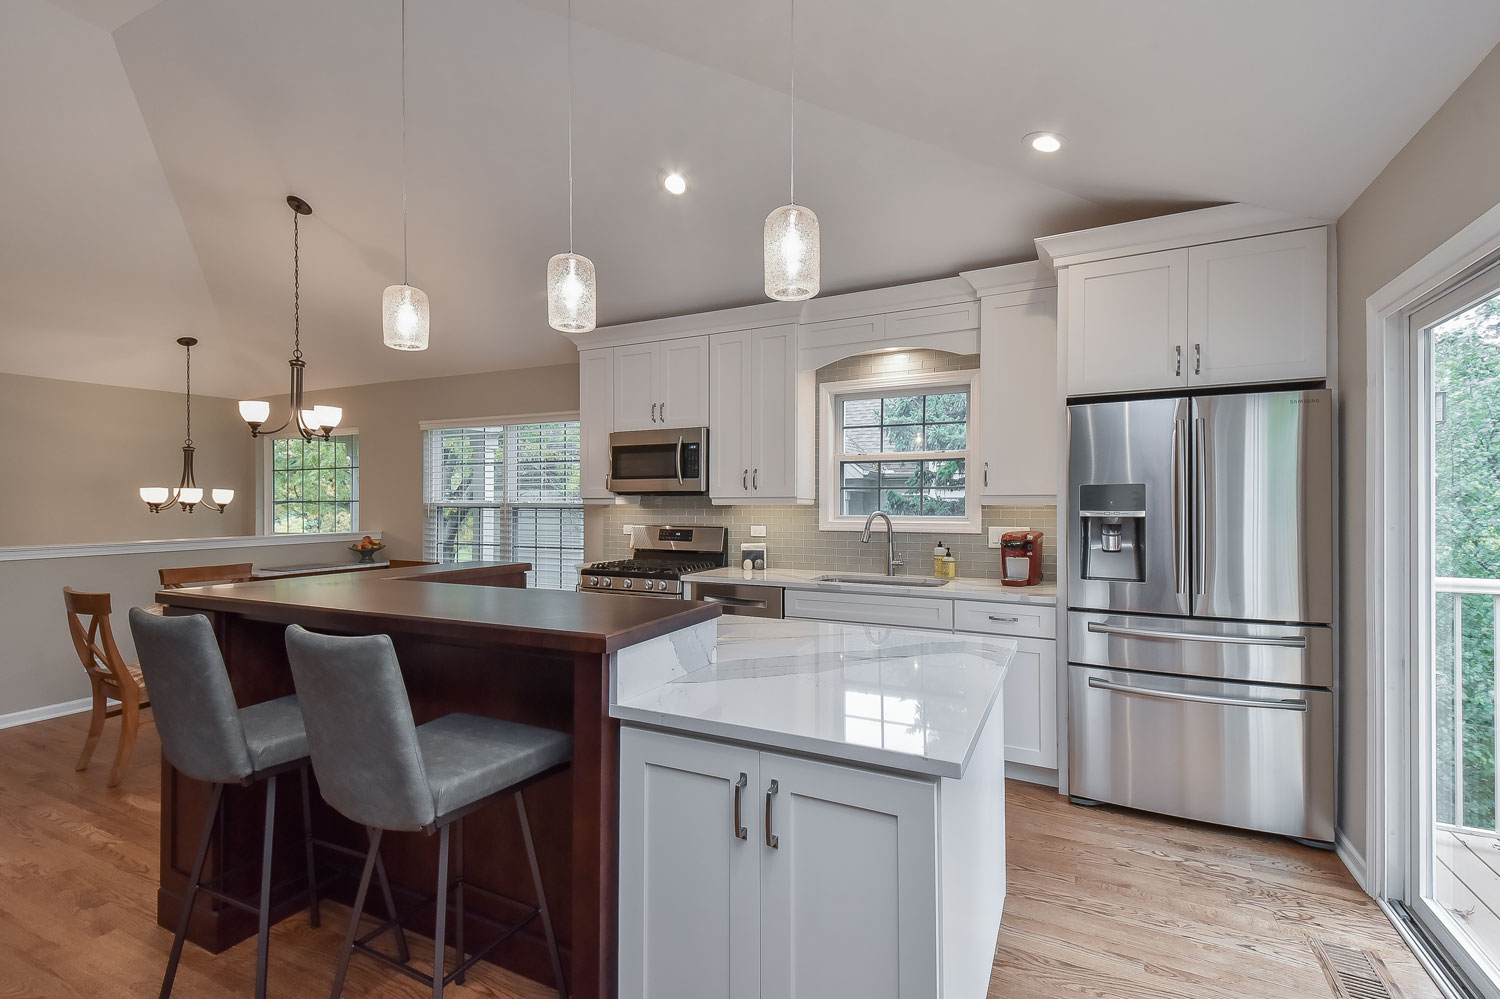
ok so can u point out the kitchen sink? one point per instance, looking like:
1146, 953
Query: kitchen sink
923, 581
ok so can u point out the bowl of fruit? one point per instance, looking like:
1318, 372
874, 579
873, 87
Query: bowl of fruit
366, 547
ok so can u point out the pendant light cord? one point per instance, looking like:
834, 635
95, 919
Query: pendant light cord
570, 126
188, 441
793, 4
296, 287
403, 144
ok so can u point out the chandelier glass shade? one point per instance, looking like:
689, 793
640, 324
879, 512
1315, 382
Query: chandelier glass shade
404, 317
309, 422
188, 494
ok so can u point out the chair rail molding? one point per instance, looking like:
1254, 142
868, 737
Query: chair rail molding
175, 545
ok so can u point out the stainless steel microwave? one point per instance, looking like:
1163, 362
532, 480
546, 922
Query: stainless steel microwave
643, 462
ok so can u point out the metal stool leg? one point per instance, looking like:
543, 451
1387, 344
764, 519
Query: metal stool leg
541, 898
192, 893
402, 953
458, 930
263, 940
440, 932
314, 917
359, 908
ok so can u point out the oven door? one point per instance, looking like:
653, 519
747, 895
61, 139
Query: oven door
659, 461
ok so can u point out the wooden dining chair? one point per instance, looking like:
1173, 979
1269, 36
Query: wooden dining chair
109, 675
192, 575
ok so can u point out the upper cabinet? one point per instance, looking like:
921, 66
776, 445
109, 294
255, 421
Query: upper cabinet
1234, 295
1018, 398
661, 385
758, 400
596, 404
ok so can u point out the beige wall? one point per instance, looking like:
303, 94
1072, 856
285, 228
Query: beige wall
390, 442
73, 456
1445, 178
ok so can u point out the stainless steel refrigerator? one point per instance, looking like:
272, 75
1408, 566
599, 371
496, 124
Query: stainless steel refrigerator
1200, 622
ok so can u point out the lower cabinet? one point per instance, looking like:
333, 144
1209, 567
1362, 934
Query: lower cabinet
746, 873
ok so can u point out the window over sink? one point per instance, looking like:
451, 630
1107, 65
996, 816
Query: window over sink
902, 445
505, 492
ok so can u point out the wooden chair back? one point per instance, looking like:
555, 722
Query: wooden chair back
192, 575
94, 639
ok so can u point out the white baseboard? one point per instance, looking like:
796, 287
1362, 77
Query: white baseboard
1352, 860
45, 712
1031, 774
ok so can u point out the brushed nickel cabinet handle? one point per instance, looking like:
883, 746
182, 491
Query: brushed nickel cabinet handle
664, 412
740, 832
1197, 358
1005, 620
1178, 349
772, 840
653, 412
755, 479
745, 480
986, 473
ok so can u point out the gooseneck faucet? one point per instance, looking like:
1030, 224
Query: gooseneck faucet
891, 560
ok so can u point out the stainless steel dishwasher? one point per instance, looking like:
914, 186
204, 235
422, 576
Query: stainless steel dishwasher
750, 599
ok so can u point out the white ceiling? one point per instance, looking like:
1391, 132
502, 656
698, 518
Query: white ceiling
147, 198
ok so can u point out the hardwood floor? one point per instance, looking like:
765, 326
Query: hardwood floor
1102, 902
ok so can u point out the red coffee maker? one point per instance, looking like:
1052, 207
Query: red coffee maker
1022, 554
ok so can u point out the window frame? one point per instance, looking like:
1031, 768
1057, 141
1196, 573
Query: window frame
830, 443
266, 512
427, 426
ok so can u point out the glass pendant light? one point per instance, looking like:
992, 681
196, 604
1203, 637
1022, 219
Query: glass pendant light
187, 494
570, 276
403, 309
792, 245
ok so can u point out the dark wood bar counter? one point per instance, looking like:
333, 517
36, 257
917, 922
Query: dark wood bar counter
470, 638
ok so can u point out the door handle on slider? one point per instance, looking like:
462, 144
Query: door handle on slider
772, 840
1172, 695
740, 832
1279, 641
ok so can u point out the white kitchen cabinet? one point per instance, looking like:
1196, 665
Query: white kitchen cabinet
1127, 323
596, 416
1031, 704
690, 849
1018, 407
849, 896
849, 607
1258, 309
661, 385
758, 401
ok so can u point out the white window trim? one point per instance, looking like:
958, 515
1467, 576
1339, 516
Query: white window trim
829, 518
264, 510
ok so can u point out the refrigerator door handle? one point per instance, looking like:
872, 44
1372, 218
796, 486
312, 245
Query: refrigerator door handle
1179, 505
1279, 641
1172, 695
1200, 505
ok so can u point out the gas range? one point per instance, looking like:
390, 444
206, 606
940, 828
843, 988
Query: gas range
662, 556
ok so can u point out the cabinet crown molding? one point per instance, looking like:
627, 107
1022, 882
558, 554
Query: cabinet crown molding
1029, 275
745, 317
1167, 232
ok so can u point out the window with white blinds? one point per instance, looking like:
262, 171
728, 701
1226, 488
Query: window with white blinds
505, 493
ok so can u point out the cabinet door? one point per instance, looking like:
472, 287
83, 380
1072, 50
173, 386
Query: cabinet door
689, 884
682, 382
636, 401
1018, 407
1258, 308
1127, 323
596, 416
771, 413
1031, 704
849, 893
731, 401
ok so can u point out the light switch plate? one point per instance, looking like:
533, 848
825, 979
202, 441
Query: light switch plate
757, 530
995, 534
625, 529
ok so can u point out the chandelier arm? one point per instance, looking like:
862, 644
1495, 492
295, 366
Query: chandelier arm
271, 433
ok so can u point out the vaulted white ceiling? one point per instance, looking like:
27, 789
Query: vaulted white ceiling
150, 147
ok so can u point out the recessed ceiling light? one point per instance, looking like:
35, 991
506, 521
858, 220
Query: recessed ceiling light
1044, 142
673, 182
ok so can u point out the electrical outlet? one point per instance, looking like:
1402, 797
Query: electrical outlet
996, 533
757, 530
625, 529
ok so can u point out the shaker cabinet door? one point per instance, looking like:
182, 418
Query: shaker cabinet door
682, 383
636, 399
731, 441
772, 413
1127, 323
596, 419
689, 881
1019, 435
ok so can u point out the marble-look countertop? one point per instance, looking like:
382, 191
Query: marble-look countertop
807, 579
907, 701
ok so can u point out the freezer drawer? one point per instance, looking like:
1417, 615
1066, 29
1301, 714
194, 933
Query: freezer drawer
1215, 650
1236, 754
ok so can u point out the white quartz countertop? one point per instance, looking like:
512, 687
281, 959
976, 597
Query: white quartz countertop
909, 701
807, 579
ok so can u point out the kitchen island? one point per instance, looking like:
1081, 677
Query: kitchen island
810, 808
469, 639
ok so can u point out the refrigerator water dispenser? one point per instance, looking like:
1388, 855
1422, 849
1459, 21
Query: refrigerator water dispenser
1113, 522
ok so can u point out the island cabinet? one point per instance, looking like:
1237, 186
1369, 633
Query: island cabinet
749, 873
758, 401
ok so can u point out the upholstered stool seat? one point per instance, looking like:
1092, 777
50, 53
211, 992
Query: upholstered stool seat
467, 758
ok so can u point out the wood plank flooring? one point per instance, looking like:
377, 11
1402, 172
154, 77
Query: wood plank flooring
1101, 903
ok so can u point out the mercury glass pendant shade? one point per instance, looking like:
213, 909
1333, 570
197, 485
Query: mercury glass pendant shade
793, 254
570, 293
405, 316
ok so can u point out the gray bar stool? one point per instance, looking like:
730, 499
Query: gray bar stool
208, 737
379, 768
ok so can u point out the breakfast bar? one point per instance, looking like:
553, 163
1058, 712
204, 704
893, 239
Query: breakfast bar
469, 638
